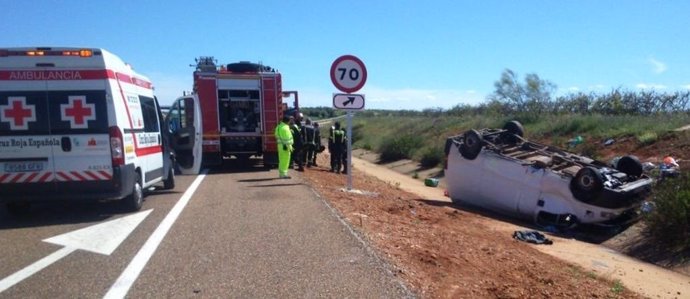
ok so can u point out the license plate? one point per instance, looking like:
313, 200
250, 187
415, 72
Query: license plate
23, 166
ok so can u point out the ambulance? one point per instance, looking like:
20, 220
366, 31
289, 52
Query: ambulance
78, 123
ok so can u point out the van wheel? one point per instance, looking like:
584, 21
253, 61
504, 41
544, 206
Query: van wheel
512, 129
587, 184
134, 201
471, 145
18, 208
629, 165
169, 182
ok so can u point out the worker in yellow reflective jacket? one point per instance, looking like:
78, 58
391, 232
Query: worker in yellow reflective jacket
285, 141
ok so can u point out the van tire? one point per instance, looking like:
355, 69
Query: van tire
587, 184
471, 145
513, 128
134, 201
169, 182
629, 165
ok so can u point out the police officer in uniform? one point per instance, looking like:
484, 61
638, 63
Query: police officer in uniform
309, 137
296, 156
338, 143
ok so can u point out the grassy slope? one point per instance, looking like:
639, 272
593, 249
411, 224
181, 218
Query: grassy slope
372, 132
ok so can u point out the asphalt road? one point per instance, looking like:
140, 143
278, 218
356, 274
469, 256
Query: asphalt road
243, 233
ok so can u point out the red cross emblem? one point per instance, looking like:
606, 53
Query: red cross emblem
78, 112
17, 113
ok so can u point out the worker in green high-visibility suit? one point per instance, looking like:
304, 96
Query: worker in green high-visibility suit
285, 141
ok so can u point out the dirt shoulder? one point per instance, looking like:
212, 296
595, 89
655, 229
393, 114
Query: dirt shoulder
443, 251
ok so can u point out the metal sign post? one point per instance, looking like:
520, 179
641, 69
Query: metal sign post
348, 74
349, 150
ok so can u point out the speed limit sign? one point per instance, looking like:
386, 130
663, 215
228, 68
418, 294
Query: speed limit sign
348, 73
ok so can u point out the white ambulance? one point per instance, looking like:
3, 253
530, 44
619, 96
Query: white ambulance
77, 123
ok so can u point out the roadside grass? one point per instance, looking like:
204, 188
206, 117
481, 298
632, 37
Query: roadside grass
383, 133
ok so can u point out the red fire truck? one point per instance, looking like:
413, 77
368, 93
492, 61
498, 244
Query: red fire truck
240, 104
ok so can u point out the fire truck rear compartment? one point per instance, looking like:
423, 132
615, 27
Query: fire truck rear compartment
240, 122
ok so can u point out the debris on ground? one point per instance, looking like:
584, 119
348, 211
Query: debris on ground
533, 237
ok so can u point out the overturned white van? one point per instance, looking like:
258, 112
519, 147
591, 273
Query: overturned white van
77, 123
499, 170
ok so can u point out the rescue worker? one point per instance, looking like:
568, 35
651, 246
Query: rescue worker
339, 144
318, 143
285, 140
309, 137
296, 156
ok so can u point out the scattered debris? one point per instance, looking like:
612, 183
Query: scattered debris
575, 141
648, 166
609, 141
431, 182
533, 236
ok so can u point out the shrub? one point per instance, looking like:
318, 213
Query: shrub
647, 138
399, 147
431, 156
670, 220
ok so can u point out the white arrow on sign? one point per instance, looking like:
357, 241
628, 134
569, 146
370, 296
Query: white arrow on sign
101, 238
348, 101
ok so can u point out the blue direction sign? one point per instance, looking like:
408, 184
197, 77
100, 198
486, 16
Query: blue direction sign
348, 101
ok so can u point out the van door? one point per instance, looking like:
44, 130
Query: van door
149, 141
79, 130
184, 125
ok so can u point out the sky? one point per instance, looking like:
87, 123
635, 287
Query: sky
418, 54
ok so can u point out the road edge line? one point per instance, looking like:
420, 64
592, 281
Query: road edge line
124, 282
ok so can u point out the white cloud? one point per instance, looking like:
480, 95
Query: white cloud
597, 87
573, 89
650, 86
658, 67
397, 99
685, 86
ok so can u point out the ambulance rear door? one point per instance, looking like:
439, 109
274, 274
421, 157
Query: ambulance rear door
26, 157
78, 113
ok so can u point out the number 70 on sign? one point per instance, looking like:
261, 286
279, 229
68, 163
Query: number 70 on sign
348, 73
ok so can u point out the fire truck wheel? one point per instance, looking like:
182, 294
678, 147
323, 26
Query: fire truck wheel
134, 201
169, 183
471, 145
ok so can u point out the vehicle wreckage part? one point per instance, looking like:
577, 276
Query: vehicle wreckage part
630, 165
513, 128
471, 145
587, 184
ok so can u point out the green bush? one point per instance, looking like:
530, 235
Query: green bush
431, 156
399, 147
647, 138
670, 220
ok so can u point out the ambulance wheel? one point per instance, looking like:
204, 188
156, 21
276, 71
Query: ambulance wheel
169, 183
134, 201
471, 145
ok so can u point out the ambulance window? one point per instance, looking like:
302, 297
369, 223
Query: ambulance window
149, 113
21, 113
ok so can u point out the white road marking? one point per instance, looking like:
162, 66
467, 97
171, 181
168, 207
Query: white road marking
101, 238
120, 288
